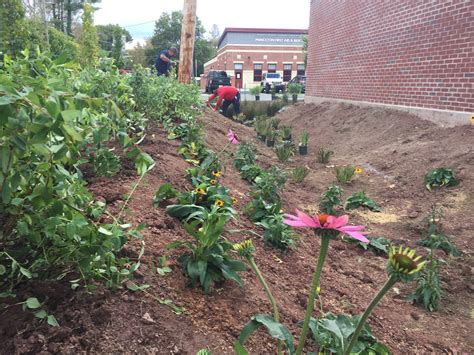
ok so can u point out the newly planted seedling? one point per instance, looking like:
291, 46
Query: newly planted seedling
323, 155
440, 177
345, 174
360, 199
299, 173
331, 199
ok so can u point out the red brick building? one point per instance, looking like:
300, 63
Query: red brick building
417, 55
247, 53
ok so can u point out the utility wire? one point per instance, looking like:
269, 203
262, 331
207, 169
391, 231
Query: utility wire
139, 24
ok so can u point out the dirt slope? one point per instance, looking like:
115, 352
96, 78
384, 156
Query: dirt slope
395, 149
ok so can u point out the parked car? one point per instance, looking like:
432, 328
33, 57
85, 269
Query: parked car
215, 78
272, 80
299, 79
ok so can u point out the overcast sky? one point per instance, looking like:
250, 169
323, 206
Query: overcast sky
138, 16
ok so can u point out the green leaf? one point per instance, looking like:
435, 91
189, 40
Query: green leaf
276, 329
52, 321
41, 314
33, 303
239, 348
3, 270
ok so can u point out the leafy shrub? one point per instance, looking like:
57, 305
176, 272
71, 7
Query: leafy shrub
332, 333
251, 172
276, 232
323, 155
294, 88
300, 173
105, 162
245, 155
440, 177
261, 125
330, 199
255, 90
345, 174
360, 199
50, 223
209, 261
428, 287
433, 235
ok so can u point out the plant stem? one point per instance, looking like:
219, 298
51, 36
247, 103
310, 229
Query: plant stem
386, 287
130, 196
312, 294
276, 315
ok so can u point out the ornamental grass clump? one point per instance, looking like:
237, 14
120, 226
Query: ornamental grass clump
345, 174
323, 155
299, 173
326, 227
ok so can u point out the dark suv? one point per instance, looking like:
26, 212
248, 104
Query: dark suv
216, 78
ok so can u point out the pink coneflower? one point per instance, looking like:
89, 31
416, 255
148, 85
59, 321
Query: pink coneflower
322, 222
232, 137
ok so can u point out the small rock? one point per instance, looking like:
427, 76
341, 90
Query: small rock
146, 319
413, 214
415, 316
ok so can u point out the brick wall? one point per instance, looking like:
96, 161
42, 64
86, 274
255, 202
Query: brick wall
413, 53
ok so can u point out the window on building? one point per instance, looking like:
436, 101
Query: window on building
257, 72
272, 68
286, 72
300, 70
238, 66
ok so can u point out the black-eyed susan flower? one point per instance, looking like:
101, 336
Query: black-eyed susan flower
213, 182
216, 173
200, 191
358, 171
219, 203
403, 263
245, 248
234, 200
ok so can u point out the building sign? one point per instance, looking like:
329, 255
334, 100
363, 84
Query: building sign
284, 39
278, 39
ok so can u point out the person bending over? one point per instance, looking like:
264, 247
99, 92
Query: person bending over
163, 62
226, 95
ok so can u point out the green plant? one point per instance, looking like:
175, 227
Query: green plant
299, 173
208, 261
251, 172
379, 245
323, 155
360, 199
105, 162
286, 132
330, 199
276, 329
89, 42
433, 236
255, 90
163, 267
261, 125
283, 153
276, 232
428, 287
440, 177
244, 156
294, 88
403, 265
332, 333
345, 174
304, 139
165, 192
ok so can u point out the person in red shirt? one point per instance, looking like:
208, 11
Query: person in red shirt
229, 95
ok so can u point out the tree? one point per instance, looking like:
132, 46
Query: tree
106, 36
63, 12
305, 49
13, 30
89, 43
168, 34
137, 54
214, 35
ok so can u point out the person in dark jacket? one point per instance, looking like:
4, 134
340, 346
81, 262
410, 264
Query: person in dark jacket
226, 95
163, 62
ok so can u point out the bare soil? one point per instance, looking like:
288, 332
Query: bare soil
395, 150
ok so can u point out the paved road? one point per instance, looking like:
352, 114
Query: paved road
245, 96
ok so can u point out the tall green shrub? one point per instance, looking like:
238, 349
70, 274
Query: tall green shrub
13, 31
89, 42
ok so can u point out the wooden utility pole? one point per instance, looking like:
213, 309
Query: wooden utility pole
188, 33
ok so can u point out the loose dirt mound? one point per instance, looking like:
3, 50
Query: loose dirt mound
395, 150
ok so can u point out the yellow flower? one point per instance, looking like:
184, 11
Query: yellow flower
219, 203
234, 200
213, 181
404, 262
216, 173
200, 191
245, 248
358, 170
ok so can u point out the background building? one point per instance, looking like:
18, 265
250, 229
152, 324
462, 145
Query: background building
246, 53
417, 54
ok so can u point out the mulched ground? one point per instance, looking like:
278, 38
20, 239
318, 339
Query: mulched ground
394, 149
